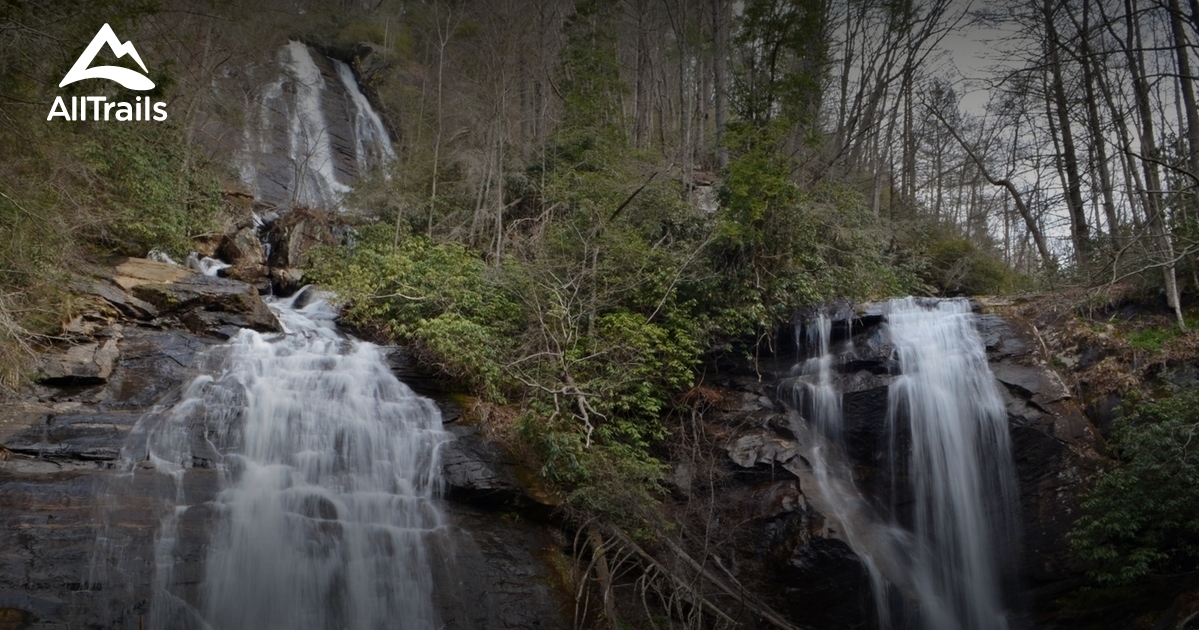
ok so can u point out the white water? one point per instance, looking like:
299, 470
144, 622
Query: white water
371, 140
205, 265
945, 405
819, 431
310, 146
292, 119
960, 465
329, 469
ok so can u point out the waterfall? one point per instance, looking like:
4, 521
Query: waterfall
328, 471
310, 133
940, 567
309, 143
960, 468
371, 141
819, 430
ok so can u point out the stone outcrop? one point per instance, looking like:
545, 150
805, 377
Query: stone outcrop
201, 303
85, 363
292, 235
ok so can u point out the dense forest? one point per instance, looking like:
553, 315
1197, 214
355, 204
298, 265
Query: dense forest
591, 200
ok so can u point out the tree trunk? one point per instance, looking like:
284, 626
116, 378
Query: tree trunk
1153, 203
1098, 138
1079, 230
1188, 87
720, 76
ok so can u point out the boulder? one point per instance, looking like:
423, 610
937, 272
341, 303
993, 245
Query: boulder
253, 274
87, 363
761, 448
132, 272
297, 232
202, 302
286, 281
1040, 385
125, 304
242, 248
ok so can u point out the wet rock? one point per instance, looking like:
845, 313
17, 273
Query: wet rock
286, 281
496, 575
1036, 383
87, 363
253, 274
825, 585
1003, 340
147, 290
243, 248
477, 470
87, 436
236, 302
154, 363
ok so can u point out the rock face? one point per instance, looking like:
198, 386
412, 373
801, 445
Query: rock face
786, 547
86, 363
307, 133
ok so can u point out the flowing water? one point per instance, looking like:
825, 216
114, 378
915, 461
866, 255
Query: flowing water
306, 141
960, 467
941, 567
328, 470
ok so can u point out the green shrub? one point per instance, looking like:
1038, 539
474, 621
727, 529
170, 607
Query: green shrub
954, 264
1142, 517
438, 296
160, 193
1152, 339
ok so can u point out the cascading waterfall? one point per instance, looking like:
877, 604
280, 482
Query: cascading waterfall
818, 428
371, 141
307, 142
329, 470
949, 441
310, 147
960, 467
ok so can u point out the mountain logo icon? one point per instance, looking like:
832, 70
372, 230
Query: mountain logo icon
131, 79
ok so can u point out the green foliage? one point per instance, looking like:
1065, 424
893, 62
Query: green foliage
1142, 517
75, 192
438, 296
159, 193
779, 247
954, 264
1152, 339
591, 136
783, 61
590, 70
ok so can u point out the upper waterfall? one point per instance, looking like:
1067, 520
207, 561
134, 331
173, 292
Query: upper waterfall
309, 133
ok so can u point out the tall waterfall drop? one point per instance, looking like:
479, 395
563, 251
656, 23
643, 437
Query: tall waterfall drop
938, 553
310, 132
329, 469
960, 467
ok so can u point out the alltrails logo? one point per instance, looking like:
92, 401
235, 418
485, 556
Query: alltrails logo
141, 109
